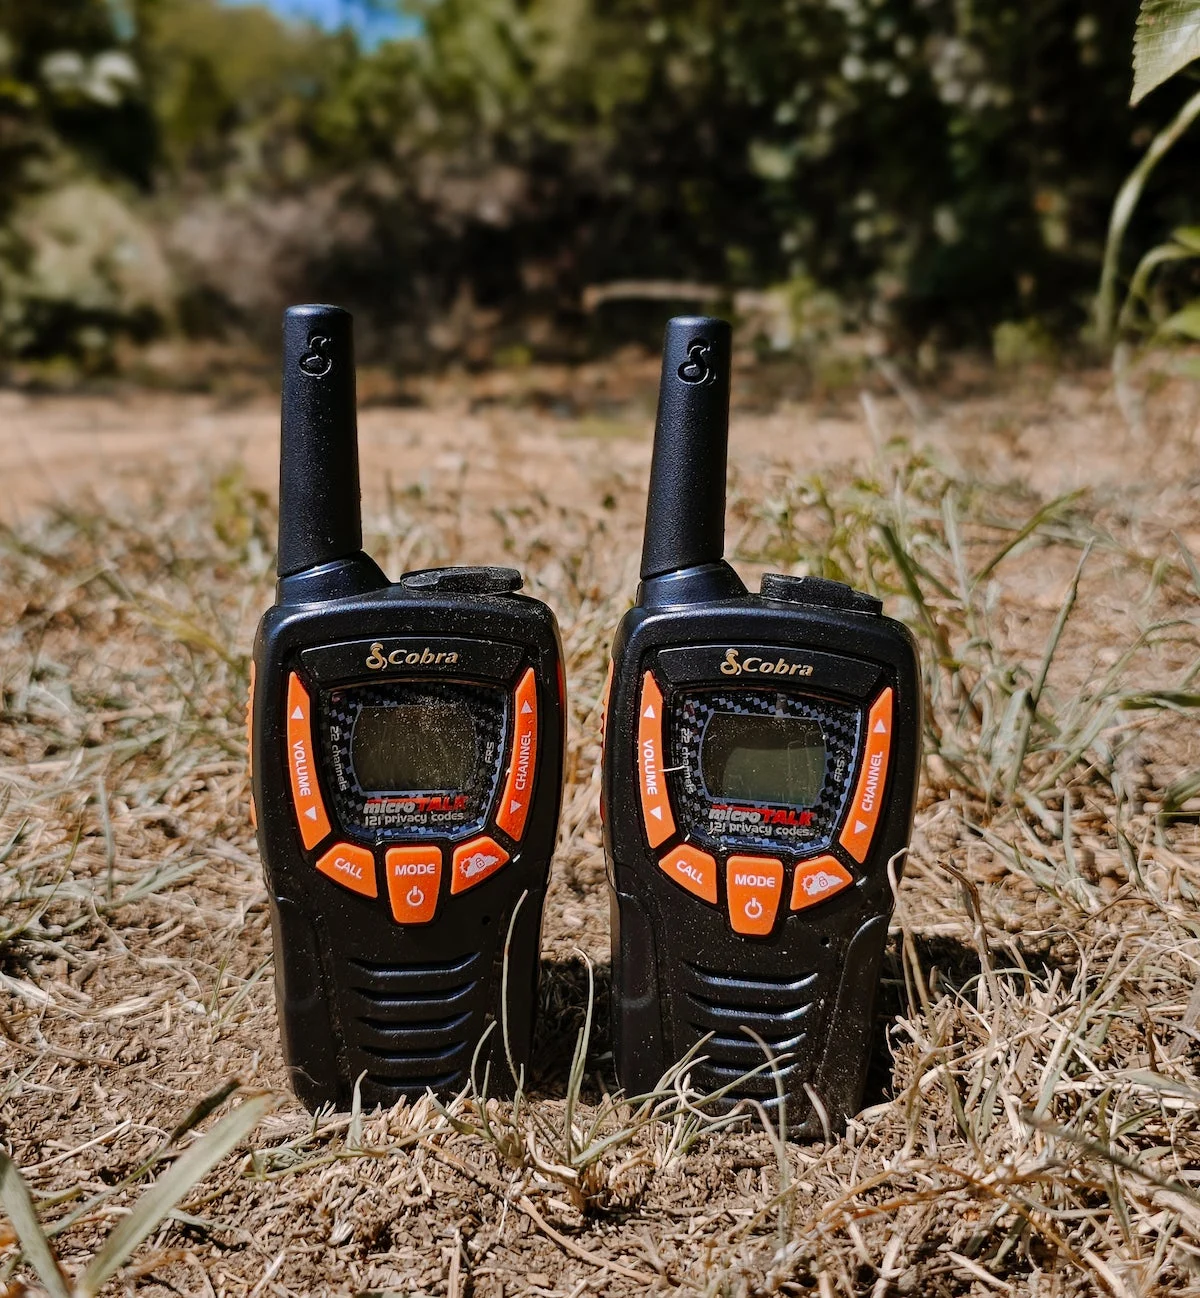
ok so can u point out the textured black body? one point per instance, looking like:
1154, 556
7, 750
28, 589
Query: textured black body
357, 992
680, 971
401, 1006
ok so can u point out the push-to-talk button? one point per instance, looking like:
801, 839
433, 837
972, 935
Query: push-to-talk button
863, 813
656, 807
352, 867
692, 869
753, 886
414, 876
306, 792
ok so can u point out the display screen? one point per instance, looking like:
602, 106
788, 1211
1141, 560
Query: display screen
414, 747
756, 758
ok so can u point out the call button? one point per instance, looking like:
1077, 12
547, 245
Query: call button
692, 869
352, 867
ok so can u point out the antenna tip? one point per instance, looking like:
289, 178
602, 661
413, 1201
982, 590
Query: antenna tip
696, 353
318, 343
314, 310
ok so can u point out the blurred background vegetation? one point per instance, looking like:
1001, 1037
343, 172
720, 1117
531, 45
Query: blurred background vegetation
518, 178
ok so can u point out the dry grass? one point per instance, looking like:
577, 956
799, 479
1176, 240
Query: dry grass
1034, 1109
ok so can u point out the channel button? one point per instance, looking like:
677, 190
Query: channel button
518, 787
656, 808
867, 803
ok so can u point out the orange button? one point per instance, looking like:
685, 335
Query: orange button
352, 867
413, 877
692, 869
250, 746
306, 793
656, 809
753, 885
604, 700
475, 861
817, 879
604, 727
859, 828
518, 787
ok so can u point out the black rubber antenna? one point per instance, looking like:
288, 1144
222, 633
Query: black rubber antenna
685, 512
320, 508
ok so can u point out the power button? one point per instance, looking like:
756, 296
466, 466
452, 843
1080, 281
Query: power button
414, 875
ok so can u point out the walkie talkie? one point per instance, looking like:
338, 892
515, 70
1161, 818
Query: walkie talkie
760, 773
406, 755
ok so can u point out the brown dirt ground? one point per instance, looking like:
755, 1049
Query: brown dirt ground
1040, 1010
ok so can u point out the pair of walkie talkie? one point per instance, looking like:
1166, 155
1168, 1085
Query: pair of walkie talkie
760, 765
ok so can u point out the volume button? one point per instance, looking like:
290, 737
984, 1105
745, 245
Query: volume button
306, 792
656, 806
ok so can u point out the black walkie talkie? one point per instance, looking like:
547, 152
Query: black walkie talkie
406, 754
760, 772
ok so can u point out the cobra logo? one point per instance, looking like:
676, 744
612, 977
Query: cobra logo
377, 660
734, 665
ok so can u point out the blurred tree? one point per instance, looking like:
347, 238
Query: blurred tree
928, 167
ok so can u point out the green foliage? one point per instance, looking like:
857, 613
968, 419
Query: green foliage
1166, 41
77, 140
931, 169
221, 74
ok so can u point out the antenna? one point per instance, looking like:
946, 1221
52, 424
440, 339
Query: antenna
685, 513
320, 514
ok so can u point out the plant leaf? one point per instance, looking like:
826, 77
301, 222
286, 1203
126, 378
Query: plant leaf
192, 1166
1185, 322
14, 1195
1167, 39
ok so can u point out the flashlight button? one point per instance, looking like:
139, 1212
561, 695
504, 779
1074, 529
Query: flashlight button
822, 877
475, 861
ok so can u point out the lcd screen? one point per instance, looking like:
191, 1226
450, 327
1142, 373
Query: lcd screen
414, 747
756, 758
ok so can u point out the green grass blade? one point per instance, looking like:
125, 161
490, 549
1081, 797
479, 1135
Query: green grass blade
156, 1202
14, 1195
